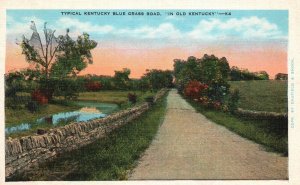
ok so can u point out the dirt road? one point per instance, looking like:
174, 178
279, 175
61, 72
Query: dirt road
189, 146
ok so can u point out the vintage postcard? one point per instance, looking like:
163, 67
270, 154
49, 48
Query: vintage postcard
150, 92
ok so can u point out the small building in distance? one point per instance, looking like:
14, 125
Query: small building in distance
281, 76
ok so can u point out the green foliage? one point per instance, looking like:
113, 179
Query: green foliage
186, 71
16, 102
233, 100
66, 87
157, 79
32, 106
60, 56
56, 60
132, 97
237, 74
218, 90
208, 69
73, 56
213, 68
121, 79
14, 82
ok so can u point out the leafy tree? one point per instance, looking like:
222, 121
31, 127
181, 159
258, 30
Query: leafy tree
59, 56
212, 68
186, 71
73, 56
121, 79
159, 78
207, 69
261, 75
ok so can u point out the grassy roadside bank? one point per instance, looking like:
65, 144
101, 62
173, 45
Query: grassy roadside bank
271, 134
110, 158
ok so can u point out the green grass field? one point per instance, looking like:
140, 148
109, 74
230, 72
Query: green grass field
110, 158
261, 95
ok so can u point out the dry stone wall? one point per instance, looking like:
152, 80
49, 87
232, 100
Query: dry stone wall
261, 115
21, 153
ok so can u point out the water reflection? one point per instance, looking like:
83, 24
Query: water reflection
89, 111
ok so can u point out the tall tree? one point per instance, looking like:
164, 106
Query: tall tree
57, 56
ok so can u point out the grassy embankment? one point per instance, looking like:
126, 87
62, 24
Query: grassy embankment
20, 115
261, 95
110, 158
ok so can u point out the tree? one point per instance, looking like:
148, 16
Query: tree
186, 71
261, 75
121, 79
159, 78
212, 67
59, 56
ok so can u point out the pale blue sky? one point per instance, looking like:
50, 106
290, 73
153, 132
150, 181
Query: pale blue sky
261, 25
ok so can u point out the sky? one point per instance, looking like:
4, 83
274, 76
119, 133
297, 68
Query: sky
252, 39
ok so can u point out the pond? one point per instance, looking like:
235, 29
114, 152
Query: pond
88, 111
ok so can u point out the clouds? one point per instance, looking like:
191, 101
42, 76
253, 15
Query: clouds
243, 28
208, 29
164, 30
79, 26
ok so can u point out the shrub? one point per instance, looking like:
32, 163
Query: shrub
39, 97
217, 105
233, 100
32, 106
204, 100
195, 89
16, 102
218, 90
93, 86
132, 97
68, 88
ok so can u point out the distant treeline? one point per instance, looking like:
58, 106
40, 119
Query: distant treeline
153, 79
30, 81
237, 74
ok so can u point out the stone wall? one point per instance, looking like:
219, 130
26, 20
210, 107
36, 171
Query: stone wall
21, 153
261, 115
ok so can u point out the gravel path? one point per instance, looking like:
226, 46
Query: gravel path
189, 146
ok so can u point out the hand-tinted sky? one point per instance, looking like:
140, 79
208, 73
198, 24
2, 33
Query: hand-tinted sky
256, 40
